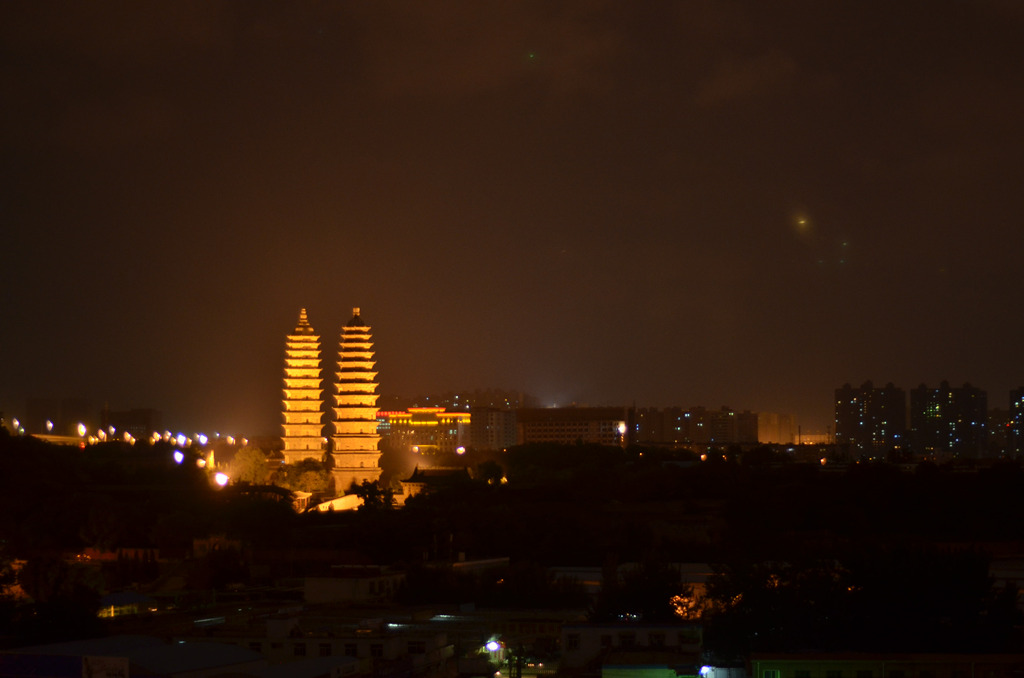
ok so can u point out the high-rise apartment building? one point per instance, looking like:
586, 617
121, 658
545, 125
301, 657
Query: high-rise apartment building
948, 421
869, 420
356, 454
1015, 427
303, 402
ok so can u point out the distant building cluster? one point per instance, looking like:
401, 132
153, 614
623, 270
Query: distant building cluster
943, 423
446, 430
701, 427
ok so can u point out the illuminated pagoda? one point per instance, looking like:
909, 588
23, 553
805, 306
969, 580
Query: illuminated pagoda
303, 402
356, 456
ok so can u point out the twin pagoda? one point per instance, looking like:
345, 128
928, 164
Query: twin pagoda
354, 450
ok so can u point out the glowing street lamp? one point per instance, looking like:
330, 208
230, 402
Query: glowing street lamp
49, 426
81, 429
179, 456
221, 478
460, 450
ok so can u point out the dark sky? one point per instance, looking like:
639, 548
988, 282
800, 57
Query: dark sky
666, 203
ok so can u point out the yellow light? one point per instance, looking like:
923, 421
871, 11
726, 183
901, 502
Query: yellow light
81, 429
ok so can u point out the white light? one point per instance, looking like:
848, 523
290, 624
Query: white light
460, 450
221, 479
181, 440
493, 646
705, 670
179, 456
202, 438
49, 425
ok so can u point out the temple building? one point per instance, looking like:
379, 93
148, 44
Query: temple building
303, 402
356, 455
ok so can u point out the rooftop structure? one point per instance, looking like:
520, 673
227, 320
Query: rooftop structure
303, 401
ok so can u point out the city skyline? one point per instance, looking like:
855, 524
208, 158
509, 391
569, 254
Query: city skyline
667, 204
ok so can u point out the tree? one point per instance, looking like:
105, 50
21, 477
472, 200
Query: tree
249, 466
375, 497
308, 475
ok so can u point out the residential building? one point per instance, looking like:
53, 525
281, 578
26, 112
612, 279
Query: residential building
870, 421
949, 422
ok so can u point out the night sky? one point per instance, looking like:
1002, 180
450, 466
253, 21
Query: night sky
660, 203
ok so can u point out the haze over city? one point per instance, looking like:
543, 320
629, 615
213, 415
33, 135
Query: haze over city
706, 203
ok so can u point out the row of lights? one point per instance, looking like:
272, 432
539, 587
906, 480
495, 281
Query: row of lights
181, 440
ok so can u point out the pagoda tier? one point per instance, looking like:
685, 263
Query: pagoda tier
356, 455
303, 398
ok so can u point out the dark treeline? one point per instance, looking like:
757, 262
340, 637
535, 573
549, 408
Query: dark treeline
806, 556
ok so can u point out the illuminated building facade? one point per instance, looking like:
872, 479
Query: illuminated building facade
948, 421
356, 454
303, 402
869, 420
425, 430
